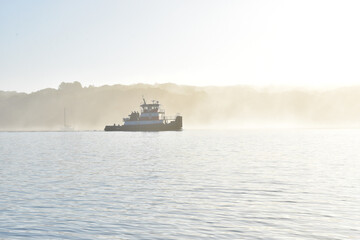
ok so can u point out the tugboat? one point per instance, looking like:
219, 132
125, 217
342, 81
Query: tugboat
151, 118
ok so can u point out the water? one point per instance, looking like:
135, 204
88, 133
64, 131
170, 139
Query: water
244, 184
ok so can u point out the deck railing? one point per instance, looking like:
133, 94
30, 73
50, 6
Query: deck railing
170, 117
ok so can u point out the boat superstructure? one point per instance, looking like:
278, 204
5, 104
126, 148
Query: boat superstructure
150, 118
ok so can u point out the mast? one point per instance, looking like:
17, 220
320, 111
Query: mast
64, 117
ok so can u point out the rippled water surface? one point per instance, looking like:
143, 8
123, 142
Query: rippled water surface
244, 184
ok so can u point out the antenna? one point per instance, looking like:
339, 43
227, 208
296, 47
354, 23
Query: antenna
143, 99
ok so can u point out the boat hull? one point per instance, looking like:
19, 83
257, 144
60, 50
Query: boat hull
175, 125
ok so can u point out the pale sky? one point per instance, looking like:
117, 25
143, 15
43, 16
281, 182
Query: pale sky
192, 42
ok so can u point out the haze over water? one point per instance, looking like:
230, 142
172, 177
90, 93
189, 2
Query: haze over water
221, 65
245, 184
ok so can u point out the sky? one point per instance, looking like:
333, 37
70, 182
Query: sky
191, 42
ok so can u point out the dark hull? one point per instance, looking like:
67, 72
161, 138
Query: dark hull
175, 125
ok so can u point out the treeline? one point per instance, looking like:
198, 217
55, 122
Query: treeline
91, 108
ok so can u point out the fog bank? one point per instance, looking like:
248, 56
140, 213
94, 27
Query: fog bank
91, 108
